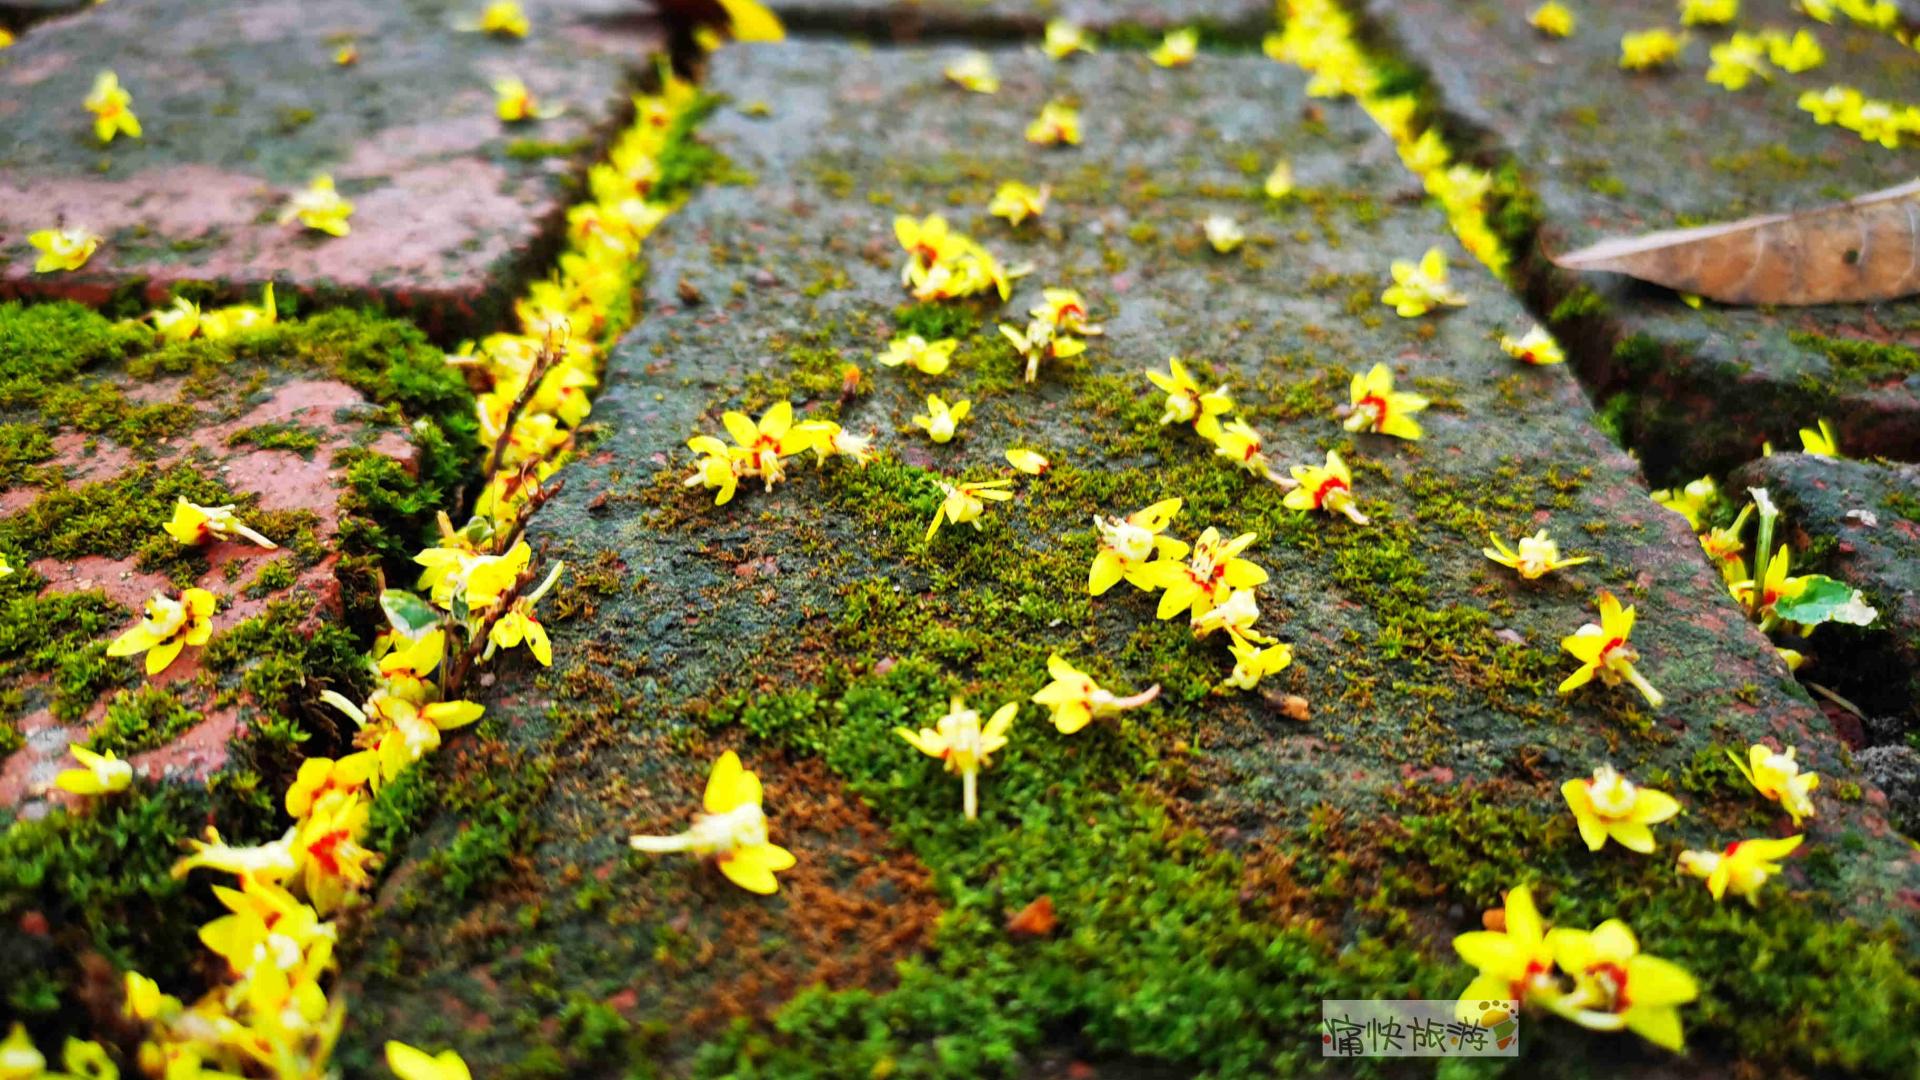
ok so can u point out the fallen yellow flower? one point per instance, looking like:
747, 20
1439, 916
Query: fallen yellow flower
1326, 487
112, 109
959, 740
409, 1063
1538, 555
1741, 868
1076, 700
1177, 48
965, 502
320, 208
171, 624
195, 524
99, 774
1777, 776
62, 249
1603, 651
1378, 407
733, 829
1610, 806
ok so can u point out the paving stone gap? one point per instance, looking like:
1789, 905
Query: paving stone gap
1427, 671
1609, 152
453, 209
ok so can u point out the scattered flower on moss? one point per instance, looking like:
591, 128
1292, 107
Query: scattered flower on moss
943, 263
1820, 441
1514, 963
1777, 776
1253, 661
1738, 61
1203, 577
1708, 12
1616, 986
1177, 48
1187, 403
1076, 700
1017, 202
112, 109
1238, 615
1536, 347
1377, 407
1537, 556
926, 357
1031, 462
1063, 39
965, 502
1793, 54
974, 71
941, 420
1603, 651
1057, 125
346, 55
503, 18
320, 208
1552, 19
1691, 501
1327, 487
99, 774
1224, 233
733, 830
1129, 543
1279, 182
220, 322
1041, 340
1646, 50
195, 524
964, 744
409, 1063
171, 624
1419, 288
62, 249
1608, 806
514, 103
1742, 867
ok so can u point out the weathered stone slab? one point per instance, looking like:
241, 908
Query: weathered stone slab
909, 19
1219, 860
452, 207
1610, 152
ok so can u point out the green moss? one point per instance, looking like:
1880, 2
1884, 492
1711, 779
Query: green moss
272, 577
23, 446
935, 321
540, 149
113, 518
142, 720
1866, 361
278, 436
1580, 302
687, 163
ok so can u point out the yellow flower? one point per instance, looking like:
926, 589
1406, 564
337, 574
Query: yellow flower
195, 524
1031, 462
1820, 441
1535, 347
1617, 986
733, 829
718, 468
964, 744
177, 323
761, 448
1778, 586
1279, 182
1128, 543
99, 774
1425, 154
926, 357
965, 502
1795, 54
333, 865
1252, 662
514, 103
1063, 39
1737, 61
170, 625
320, 208
1177, 49
1741, 868
504, 18
6, 568
1057, 125
112, 109
1223, 233
940, 420
1204, 577
1690, 501
1377, 407
1552, 19
62, 249
322, 782
1603, 650
1778, 777
478, 580
1708, 12
751, 21
269, 862
974, 71
346, 55
1066, 311
1418, 289
408, 1063
519, 624
143, 1001
1328, 487
1514, 963
224, 321
6, 38
1017, 202
1237, 615
1538, 555
1076, 700
18, 1058
1834, 104
1723, 546
1187, 403
943, 264
1610, 806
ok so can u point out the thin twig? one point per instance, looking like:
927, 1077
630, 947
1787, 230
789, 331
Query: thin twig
543, 363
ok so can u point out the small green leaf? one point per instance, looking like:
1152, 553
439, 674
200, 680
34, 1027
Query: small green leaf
1824, 600
410, 615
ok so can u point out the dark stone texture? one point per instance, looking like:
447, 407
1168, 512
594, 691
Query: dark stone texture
906, 20
1613, 153
1896, 771
242, 105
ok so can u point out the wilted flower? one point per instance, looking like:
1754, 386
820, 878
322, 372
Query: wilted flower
1538, 555
196, 524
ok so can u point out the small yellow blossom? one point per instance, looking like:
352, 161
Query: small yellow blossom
1690, 502
1279, 182
144, 1002
1017, 202
1057, 125
196, 524
62, 249
1795, 54
19, 1060
1253, 661
1779, 585
6, 568
1603, 651
346, 55
1536, 347
1777, 776
1063, 39
1224, 233
503, 18
943, 263
974, 71
408, 1063
1835, 104
964, 744
1066, 311
320, 208
1419, 288
1376, 406
322, 781
1425, 154
1127, 544
1820, 441
1610, 806
750, 20
1552, 19
733, 830
1514, 963
521, 624
1742, 867
1041, 340
1199, 580
1326, 487
760, 449
912, 350
1738, 61
514, 103
171, 624
1076, 700
1645, 50
1237, 615
1708, 12
6, 38
1723, 547
1238, 442
965, 502
99, 774
1538, 555
1616, 986
941, 420
272, 861
1177, 49
1031, 462
112, 109
718, 468
1187, 403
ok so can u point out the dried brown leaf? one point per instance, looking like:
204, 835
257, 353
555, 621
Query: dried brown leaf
1848, 253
